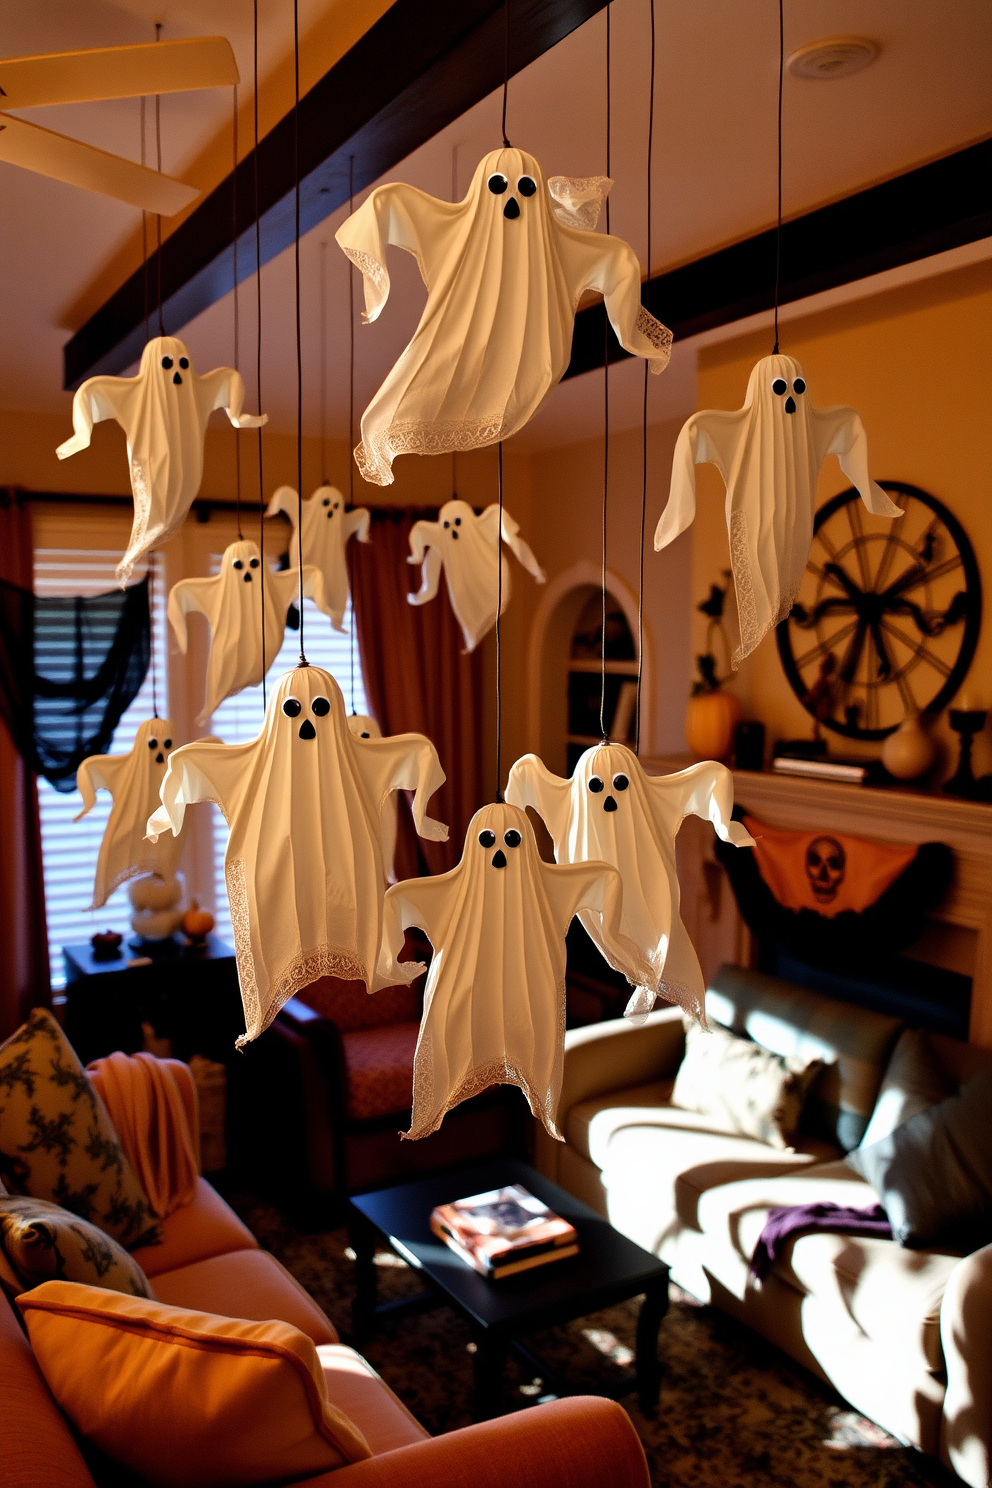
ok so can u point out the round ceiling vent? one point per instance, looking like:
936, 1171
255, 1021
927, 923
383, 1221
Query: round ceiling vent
835, 57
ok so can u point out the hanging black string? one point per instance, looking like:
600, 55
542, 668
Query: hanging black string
258, 353
151, 638
323, 363
454, 198
644, 424
778, 230
158, 215
237, 322
299, 324
606, 415
144, 228
499, 613
351, 411
506, 66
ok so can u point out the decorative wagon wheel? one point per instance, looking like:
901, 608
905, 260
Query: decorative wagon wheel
887, 616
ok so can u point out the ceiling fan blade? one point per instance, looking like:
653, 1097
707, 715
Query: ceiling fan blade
117, 72
69, 160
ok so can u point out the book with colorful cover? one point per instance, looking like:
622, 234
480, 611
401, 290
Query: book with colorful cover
504, 1231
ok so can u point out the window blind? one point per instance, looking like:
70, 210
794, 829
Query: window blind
69, 849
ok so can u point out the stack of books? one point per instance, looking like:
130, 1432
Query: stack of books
504, 1231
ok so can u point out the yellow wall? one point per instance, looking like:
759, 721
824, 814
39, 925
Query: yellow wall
915, 362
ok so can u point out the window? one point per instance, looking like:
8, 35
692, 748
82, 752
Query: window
69, 849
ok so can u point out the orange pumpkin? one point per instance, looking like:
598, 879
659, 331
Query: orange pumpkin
710, 721
197, 922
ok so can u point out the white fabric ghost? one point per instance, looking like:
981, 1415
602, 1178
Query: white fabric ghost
494, 1004
327, 526
465, 545
232, 602
504, 270
364, 727
133, 780
304, 864
610, 810
769, 453
164, 413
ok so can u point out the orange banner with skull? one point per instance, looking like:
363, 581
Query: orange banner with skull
827, 872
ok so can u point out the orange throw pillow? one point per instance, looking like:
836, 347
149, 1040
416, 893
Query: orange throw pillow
187, 1398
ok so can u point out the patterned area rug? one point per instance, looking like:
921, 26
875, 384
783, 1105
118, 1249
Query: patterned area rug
734, 1412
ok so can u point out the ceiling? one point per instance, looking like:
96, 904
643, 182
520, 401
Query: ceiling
714, 177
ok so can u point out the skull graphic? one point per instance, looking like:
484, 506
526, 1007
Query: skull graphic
826, 863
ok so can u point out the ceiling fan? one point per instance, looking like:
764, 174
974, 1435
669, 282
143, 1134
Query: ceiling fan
96, 75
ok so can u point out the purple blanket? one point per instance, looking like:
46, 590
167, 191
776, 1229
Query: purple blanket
782, 1225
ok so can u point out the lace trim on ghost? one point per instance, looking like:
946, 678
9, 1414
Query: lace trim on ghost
496, 1072
375, 455
659, 336
747, 612
371, 269
642, 1000
237, 896
142, 513
576, 201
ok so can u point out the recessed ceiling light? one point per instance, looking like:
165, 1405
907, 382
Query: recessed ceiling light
834, 57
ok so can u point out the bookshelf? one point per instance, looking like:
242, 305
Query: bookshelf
585, 675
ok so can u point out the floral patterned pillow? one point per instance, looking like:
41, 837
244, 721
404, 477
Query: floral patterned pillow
42, 1242
57, 1141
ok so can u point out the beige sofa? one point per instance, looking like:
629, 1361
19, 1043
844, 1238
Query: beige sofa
905, 1336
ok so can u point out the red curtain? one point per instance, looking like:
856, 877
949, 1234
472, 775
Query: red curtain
417, 680
24, 972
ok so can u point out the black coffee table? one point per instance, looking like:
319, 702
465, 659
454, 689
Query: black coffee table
608, 1269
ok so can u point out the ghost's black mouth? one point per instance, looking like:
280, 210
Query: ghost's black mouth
499, 859
177, 379
609, 804
307, 730
247, 578
512, 208
790, 404
160, 758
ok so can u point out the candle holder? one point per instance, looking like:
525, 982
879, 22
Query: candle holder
966, 723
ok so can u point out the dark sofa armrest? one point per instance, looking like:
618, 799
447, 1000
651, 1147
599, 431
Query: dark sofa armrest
582, 1442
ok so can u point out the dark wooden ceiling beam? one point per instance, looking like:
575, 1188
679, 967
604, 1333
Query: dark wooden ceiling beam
924, 211
414, 72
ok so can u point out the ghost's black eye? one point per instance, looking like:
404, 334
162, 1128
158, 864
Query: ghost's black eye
487, 838
458, 521
526, 185
366, 735
167, 363
326, 501
512, 837
152, 743
336, 505
447, 524
620, 782
595, 784
497, 185
292, 707
184, 362
799, 386
238, 563
252, 562
320, 706
780, 386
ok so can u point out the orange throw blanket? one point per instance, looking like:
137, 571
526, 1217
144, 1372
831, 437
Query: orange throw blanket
153, 1105
827, 872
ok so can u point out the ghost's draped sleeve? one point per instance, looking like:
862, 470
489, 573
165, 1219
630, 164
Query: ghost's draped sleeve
403, 762
424, 549
97, 399
404, 217
520, 550
357, 523
708, 792
415, 903
840, 432
285, 500
610, 266
189, 594
99, 772
225, 388
531, 783
596, 887
707, 438
201, 772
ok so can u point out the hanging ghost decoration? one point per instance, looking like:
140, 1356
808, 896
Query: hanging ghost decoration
611, 811
504, 270
164, 412
494, 1004
465, 546
304, 866
133, 780
327, 526
232, 602
363, 727
769, 453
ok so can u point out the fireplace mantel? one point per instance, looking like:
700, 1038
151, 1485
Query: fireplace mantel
958, 933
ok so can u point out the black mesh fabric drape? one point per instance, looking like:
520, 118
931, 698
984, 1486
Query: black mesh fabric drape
69, 668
